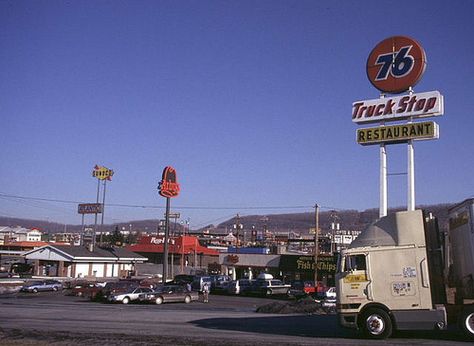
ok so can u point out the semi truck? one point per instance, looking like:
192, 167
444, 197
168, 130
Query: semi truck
402, 273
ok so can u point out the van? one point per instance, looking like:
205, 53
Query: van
199, 282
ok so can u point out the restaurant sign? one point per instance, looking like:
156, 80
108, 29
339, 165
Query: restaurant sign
398, 133
306, 263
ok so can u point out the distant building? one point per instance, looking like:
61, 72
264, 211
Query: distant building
19, 234
82, 262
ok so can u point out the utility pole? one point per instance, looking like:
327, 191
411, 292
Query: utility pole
316, 243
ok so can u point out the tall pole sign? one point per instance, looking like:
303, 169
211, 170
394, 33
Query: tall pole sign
395, 66
102, 174
169, 188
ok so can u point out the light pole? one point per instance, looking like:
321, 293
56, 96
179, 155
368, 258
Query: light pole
316, 241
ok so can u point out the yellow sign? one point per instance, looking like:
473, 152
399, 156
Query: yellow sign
355, 278
398, 133
102, 173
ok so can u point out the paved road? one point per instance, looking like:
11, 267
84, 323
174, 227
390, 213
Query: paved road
46, 318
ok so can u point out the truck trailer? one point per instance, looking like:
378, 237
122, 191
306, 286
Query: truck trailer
402, 273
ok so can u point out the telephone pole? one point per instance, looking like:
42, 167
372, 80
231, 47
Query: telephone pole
316, 243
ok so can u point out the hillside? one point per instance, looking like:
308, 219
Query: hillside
297, 222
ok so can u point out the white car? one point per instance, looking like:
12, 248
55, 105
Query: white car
330, 293
128, 297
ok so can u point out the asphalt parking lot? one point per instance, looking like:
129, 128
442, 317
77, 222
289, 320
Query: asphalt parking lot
54, 318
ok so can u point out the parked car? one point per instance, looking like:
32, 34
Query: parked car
301, 288
86, 289
170, 293
220, 282
115, 288
269, 287
330, 293
239, 286
182, 279
45, 285
199, 282
129, 296
5, 275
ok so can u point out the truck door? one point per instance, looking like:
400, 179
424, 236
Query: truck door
355, 277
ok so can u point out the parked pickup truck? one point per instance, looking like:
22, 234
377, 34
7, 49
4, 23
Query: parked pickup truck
267, 286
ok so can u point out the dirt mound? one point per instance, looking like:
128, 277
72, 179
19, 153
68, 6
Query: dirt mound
302, 306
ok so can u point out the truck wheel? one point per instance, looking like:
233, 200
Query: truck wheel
376, 324
467, 322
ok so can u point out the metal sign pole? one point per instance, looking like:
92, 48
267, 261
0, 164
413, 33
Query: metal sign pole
95, 219
383, 181
103, 211
411, 177
165, 246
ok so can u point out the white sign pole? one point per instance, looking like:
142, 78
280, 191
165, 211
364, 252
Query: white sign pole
411, 177
383, 181
411, 170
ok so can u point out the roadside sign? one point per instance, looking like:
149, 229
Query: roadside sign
168, 186
396, 64
420, 105
102, 173
89, 208
398, 133
174, 215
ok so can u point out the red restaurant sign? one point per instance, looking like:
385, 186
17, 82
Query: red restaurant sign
168, 185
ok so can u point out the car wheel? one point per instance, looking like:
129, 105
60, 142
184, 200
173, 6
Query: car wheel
35, 290
159, 300
79, 294
467, 323
376, 324
187, 299
269, 292
55, 288
125, 300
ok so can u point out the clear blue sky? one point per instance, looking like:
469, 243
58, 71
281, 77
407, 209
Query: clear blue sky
250, 101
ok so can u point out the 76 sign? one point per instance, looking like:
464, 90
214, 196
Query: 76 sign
396, 64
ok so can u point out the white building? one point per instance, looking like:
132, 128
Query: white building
79, 261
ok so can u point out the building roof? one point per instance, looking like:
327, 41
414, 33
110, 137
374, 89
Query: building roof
177, 245
81, 253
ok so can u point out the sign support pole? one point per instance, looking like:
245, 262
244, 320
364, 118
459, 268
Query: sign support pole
316, 244
383, 181
165, 247
103, 211
411, 177
95, 219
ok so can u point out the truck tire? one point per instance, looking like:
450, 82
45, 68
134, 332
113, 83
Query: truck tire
375, 323
467, 322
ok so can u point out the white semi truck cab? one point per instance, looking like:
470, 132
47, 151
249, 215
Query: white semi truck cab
392, 276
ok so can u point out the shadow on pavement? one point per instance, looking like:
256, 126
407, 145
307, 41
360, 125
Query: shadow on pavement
301, 325
321, 326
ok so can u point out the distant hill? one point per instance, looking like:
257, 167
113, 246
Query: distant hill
297, 222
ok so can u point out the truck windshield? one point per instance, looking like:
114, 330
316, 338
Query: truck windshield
355, 262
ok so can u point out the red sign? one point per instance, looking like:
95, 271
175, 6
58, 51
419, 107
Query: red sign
396, 64
168, 185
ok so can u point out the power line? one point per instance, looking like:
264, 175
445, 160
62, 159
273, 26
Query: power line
162, 207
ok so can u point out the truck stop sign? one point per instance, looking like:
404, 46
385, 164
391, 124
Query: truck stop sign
396, 64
